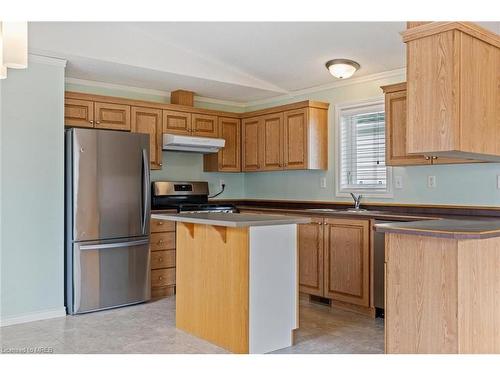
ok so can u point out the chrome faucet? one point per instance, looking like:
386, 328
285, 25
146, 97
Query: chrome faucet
357, 200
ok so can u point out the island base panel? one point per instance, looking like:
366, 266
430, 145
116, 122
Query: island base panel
273, 287
442, 295
212, 284
237, 287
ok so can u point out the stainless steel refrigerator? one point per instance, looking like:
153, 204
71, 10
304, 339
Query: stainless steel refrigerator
107, 219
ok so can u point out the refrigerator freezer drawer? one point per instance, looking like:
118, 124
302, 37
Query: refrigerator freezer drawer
109, 274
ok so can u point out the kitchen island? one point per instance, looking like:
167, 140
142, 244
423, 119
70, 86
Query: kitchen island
442, 286
237, 279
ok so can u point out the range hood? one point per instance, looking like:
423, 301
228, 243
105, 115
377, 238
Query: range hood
203, 145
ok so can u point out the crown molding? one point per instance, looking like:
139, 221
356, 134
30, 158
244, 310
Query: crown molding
47, 60
293, 94
114, 86
332, 85
141, 90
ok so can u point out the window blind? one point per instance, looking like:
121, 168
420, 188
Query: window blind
362, 146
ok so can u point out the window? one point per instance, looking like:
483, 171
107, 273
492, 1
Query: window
361, 150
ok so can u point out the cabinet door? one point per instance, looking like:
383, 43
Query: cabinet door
112, 116
250, 144
148, 121
229, 158
295, 139
432, 102
79, 113
177, 122
271, 142
310, 244
347, 261
204, 125
395, 132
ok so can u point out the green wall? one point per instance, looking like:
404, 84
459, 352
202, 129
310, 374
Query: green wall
465, 184
32, 192
473, 184
178, 166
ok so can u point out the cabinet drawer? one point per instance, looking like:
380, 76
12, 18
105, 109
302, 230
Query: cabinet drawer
162, 277
162, 259
158, 225
162, 241
162, 291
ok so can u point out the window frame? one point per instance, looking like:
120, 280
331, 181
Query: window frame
343, 192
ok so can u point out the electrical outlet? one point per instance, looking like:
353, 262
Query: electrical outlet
221, 182
322, 182
431, 182
398, 182
498, 181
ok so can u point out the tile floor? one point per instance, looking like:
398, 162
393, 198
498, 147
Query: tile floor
150, 328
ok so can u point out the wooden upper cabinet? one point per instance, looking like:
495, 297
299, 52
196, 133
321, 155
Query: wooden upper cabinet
112, 116
175, 122
271, 142
395, 128
148, 121
250, 144
347, 261
294, 138
453, 97
204, 125
310, 248
79, 113
295, 143
305, 143
228, 159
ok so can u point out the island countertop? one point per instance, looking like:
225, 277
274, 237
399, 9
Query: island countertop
446, 228
233, 219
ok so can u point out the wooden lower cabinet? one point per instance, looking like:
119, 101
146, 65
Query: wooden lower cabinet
163, 255
310, 248
334, 260
347, 261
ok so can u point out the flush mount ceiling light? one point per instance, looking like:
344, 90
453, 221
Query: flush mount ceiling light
342, 68
13, 46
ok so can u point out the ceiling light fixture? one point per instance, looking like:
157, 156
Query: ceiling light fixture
14, 46
342, 68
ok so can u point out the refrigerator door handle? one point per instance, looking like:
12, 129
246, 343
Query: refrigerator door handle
145, 189
114, 245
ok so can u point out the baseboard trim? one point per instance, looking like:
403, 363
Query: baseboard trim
39, 315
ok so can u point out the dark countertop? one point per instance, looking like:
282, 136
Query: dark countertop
368, 214
446, 228
431, 224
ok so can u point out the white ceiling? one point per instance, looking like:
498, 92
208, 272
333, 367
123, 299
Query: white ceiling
240, 61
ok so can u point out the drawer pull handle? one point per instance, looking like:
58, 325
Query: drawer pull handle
160, 222
160, 242
160, 259
160, 277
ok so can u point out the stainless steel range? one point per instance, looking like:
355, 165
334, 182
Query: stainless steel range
185, 196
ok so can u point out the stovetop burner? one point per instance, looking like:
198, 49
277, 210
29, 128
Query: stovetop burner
185, 197
206, 208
